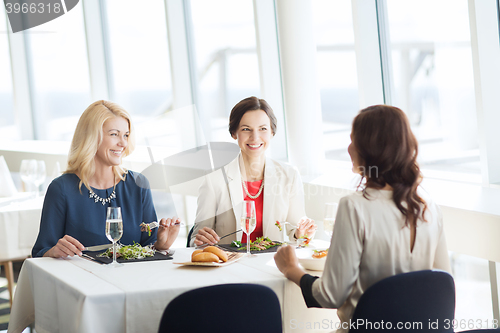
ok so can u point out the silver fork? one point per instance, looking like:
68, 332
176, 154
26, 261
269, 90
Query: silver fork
206, 244
155, 224
282, 225
152, 225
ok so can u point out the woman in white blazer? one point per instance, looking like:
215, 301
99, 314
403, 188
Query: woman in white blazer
275, 187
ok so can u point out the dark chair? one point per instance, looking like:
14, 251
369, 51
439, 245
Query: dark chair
222, 308
190, 234
421, 301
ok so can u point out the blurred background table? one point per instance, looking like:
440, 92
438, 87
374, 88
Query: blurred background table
19, 224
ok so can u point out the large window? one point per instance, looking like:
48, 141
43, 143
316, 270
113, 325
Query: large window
8, 129
226, 60
60, 75
140, 81
337, 74
139, 56
432, 81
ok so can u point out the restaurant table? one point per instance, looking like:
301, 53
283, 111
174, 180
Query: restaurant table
79, 295
19, 224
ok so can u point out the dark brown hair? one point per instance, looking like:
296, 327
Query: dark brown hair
384, 141
250, 104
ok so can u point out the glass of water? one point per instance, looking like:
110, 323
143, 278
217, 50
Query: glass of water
40, 176
329, 218
28, 173
114, 230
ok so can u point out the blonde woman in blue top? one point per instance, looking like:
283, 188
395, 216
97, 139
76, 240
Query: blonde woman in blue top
74, 210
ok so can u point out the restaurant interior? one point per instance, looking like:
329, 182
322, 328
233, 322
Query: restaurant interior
179, 66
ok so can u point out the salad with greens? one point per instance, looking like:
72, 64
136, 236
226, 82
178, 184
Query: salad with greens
304, 240
278, 224
135, 251
261, 243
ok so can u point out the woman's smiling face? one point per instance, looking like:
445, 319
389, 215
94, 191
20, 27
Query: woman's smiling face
254, 133
114, 142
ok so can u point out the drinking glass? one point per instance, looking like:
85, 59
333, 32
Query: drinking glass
329, 218
40, 174
114, 230
27, 173
248, 220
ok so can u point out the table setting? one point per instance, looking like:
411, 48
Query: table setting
88, 294
132, 298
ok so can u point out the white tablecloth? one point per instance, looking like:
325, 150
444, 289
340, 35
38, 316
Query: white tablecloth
78, 295
19, 224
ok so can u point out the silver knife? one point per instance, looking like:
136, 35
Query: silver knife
98, 247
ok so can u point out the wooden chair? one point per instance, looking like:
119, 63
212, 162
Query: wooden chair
9, 274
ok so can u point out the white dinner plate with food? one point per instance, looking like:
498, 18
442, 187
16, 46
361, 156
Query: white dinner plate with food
313, 260
231, 258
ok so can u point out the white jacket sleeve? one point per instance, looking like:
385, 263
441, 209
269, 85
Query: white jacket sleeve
206, 209
296, 208
344, 257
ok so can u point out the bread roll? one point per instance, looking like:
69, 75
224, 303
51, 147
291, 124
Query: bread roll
205, 257
218, 252
195, 253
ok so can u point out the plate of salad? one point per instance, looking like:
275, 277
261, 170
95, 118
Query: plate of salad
128, 253
260, 245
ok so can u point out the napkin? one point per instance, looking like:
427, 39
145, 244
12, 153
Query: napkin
7, 187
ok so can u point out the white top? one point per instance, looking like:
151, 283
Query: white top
221, 196
370, 243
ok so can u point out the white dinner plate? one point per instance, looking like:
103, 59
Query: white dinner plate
308, 262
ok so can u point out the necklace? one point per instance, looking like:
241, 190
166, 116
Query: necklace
258, 193
97, 198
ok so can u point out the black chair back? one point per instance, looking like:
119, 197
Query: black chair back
421, 301
241, 307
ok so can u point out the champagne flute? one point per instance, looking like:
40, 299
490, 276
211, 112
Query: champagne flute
248, 220
329, 219
40, 175
23, 171
114, 230
27, 172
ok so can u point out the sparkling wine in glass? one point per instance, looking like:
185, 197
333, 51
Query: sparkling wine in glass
329, 219
248, 220
114, 230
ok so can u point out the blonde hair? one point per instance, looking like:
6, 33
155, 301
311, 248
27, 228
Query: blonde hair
88, 137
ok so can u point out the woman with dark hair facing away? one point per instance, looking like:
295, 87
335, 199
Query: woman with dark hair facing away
387, 228
276, 188
74, 209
